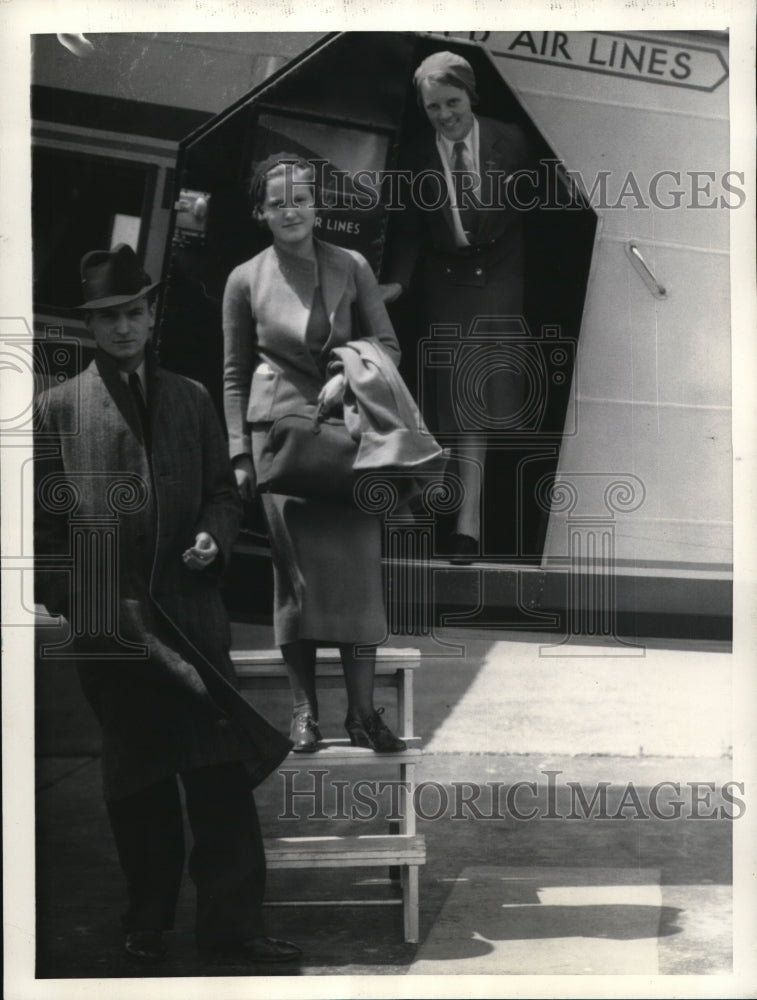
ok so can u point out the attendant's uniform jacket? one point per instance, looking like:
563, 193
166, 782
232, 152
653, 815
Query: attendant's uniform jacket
176, 706
430, 232
457, 285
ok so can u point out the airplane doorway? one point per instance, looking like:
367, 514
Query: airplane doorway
559, 241
325, 103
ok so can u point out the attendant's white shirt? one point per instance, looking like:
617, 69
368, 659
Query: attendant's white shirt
446, 149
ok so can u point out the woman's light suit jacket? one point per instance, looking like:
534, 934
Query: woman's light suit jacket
269, 369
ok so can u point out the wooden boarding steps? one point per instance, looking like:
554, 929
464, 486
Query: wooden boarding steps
404, 850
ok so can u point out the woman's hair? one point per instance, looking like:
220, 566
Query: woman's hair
259, 180
448, 80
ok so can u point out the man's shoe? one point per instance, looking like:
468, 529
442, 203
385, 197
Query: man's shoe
266, 949
464, 549
304, 733
145, 946
373, 733
258, 949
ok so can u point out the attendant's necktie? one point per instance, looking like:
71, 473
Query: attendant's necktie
135, 384
465, 182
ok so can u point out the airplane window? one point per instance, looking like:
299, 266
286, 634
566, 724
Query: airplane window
125, 230
81, 202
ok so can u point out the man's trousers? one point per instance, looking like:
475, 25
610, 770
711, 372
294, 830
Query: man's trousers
226, 863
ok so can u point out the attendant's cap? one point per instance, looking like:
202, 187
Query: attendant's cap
112, 278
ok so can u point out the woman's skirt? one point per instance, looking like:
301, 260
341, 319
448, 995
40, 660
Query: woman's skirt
327, 576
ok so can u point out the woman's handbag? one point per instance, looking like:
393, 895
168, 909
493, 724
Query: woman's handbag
308, 455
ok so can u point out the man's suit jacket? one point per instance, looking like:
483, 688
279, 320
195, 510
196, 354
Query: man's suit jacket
177, 707
503, 149
269, 369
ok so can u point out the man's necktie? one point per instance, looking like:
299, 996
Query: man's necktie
135, 384
465, 182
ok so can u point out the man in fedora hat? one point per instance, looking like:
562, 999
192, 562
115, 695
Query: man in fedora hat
132, 460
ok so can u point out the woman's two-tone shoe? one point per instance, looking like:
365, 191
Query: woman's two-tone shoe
304, 732
372, 732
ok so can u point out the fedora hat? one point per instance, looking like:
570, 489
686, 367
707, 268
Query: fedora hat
112, 277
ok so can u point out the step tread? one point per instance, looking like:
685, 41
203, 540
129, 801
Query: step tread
269, 662
325, 851
342, 752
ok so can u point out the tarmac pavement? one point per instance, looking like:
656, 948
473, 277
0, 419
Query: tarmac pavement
520, 879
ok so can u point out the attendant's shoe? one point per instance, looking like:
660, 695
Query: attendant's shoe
373, 733
464, 549
304, 733
258, 949
145, 946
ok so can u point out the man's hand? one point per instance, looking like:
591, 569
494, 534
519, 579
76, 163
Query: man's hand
391, 292
332, 393
244, 473
202, 553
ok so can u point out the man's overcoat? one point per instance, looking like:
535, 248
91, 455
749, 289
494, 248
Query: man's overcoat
151, 636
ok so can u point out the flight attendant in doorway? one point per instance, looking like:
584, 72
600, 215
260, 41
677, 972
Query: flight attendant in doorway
467, 252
